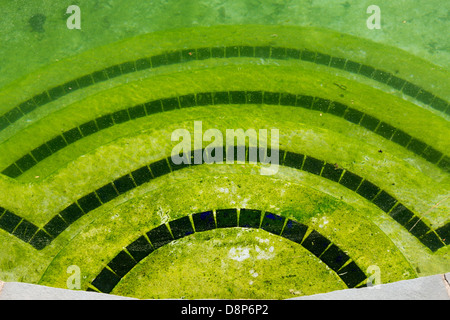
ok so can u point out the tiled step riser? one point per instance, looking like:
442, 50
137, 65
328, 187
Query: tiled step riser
186, 55
433, 239
334, 108
329, 253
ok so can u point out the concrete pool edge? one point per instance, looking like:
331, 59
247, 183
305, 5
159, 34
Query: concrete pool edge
426, 288
435, 287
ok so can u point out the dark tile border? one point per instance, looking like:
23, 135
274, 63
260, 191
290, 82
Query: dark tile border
186, 55
329, 253
351, 115
433, 239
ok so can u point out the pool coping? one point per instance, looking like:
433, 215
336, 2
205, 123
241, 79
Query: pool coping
434, 287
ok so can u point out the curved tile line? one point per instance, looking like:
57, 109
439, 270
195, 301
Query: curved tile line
330, 254
186, 55
383, 129
40, 238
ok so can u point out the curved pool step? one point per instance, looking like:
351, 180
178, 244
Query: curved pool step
330, 254
41, 238
304, 51
318, 104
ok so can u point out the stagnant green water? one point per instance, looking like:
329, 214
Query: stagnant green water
352, 101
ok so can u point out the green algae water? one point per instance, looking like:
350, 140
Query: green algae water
223, 149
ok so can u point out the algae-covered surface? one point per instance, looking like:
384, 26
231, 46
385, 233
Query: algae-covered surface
87, 118
257, 259
30, 29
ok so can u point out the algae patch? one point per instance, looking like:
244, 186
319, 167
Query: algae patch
224, 264
37, 22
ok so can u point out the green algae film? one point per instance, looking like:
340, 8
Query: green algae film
229, 264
